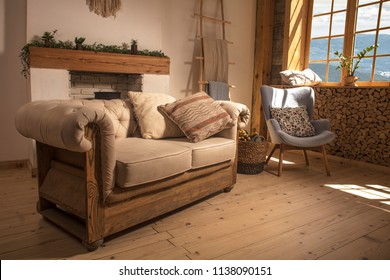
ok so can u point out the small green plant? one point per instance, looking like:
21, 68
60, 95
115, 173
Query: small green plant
48, 38
134, 47
151, 53
125, 46
79, 40
350, 63
25, 59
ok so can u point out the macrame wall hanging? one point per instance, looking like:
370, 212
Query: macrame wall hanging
104, 8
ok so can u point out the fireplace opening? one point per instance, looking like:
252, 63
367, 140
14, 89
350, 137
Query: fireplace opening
84, 85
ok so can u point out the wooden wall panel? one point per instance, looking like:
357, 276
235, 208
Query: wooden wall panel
295, 34
281, 43
263, 61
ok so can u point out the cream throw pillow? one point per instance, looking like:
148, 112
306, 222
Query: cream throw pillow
152, 123
297, 78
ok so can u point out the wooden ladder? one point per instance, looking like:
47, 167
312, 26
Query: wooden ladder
223, 23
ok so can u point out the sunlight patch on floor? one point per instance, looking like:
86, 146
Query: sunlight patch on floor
379, 187
284, 161
363, 191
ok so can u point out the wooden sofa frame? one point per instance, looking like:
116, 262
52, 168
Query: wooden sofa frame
101, 218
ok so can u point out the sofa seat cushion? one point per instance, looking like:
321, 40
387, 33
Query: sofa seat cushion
140, 161
210, 151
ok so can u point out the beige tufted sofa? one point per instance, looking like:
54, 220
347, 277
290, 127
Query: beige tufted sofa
97, 176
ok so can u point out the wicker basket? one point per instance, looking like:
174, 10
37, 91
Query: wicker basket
251, 156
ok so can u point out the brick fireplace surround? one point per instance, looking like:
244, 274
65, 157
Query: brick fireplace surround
85, 84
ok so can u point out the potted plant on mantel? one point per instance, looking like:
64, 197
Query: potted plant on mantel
48, 38
134, 46
350, 64
79, 42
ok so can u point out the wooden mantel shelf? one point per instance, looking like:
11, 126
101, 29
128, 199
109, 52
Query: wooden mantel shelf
78, 60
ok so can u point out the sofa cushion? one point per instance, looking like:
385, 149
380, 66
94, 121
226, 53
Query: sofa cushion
209, 151
198, 115
152, 123
141, 161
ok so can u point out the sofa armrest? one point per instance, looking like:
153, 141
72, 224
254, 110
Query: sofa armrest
62, 124
240, 113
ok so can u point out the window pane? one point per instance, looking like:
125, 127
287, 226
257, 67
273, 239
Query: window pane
385, 16
363, 41
364, 70
382, 69
319, 68
339, 5
367, 17
318, 49
333, 73
322, 6
336, 44
384, 43
361, 2
338, 23
320, 26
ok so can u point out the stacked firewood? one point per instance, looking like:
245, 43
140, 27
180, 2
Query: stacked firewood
360, 117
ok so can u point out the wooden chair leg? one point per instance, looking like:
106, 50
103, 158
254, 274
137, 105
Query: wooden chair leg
306, 158
272, 152
281, 160
325, 160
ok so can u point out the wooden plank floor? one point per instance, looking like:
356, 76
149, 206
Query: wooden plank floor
302, 215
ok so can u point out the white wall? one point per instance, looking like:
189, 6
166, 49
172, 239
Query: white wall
49, 84
242, 14
167, 25
138, 19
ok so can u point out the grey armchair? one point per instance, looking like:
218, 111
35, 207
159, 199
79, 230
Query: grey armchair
294, 97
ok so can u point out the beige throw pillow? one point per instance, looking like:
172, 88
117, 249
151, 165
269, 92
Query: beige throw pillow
152, 123
294, 121
199, 116
297, 78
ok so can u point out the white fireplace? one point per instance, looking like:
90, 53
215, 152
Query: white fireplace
46, 84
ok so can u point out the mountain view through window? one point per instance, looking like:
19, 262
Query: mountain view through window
371, 26
318, 51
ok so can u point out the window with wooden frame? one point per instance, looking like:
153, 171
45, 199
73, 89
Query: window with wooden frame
349, 27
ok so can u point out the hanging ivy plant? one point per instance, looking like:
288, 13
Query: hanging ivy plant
47, 40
